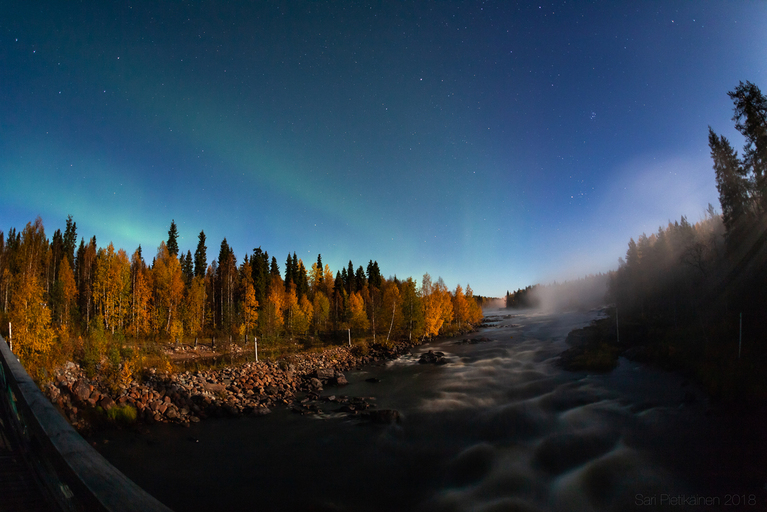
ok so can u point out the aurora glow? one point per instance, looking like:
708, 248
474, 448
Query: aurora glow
499, 144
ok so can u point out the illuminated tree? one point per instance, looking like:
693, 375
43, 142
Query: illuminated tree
302, 317
31, 319
194, 306
358, 319
437, 306
392, 317
111, 287
30, 313
290, 305
249, 302
475, 314
315, 278
86, 262
460, 307
272, 310
412, 309
321, 311
141, 296
68, 290
169, 288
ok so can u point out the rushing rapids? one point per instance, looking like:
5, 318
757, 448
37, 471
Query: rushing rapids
493, 424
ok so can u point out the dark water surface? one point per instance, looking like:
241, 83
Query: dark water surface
500, 427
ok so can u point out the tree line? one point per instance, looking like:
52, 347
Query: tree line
584, 293
698, 289
57, 296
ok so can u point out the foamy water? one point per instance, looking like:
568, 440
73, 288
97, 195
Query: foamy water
499, 427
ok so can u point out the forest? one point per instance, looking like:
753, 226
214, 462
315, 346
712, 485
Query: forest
692, 296
110, 312
584, 293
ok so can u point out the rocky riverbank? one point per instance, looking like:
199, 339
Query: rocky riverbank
246, 389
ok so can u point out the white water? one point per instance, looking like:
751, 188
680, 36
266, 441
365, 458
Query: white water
500, 427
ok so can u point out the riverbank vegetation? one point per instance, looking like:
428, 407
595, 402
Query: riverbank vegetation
692, 297
115, 314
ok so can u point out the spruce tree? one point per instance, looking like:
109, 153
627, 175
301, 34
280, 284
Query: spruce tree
359, 278
350, 286
187, 267
275, 268
289, 277
172, 244
344, 279
319, 267
302, 279
259, 263
70, 240
374, 274
201, 256
730, 182
750, 116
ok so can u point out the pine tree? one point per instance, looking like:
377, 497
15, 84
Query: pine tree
172, 244
274, 270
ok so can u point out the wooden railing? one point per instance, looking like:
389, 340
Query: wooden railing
71, 474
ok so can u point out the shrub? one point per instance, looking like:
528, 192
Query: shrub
125, 414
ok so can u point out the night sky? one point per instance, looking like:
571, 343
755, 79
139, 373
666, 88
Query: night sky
498, 144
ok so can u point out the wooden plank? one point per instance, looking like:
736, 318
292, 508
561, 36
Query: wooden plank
92, 479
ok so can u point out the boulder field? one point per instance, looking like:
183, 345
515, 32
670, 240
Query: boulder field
250, 388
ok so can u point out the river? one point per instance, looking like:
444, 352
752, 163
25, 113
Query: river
499, 427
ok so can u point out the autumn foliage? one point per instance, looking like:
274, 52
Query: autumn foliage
60, 302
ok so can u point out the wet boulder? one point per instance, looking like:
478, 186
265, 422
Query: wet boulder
315, 384
341, 379
82, 390
432, 357
325, 374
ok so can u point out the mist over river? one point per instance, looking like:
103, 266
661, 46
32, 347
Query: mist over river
500, 427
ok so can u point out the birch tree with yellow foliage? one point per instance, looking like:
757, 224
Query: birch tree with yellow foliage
169, 290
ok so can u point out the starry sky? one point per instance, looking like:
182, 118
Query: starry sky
498, 144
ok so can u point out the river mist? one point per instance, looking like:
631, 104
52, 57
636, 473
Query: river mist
499, 427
